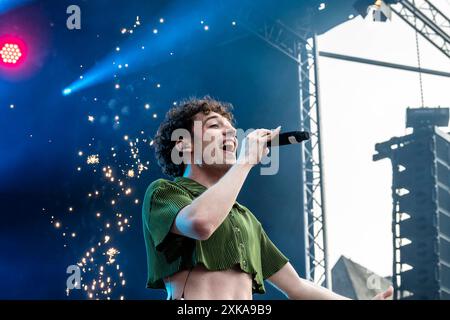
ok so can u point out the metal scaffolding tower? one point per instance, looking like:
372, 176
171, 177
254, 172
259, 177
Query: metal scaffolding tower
301, 47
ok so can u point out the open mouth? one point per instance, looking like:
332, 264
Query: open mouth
229, 146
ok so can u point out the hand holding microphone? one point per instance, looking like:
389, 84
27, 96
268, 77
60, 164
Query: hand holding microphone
257, 143
254, 145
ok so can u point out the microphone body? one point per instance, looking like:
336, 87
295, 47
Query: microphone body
291, 137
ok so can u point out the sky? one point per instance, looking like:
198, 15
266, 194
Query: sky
361, 106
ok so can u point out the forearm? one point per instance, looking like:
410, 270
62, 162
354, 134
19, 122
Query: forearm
213, 205
307, 290
294, 287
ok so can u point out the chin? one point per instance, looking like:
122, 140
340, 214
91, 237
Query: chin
225, 162
221, 167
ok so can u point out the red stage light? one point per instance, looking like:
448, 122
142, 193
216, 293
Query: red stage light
13, 53
10, 53
24, 39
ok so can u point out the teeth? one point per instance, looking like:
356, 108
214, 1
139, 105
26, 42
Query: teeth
228, 146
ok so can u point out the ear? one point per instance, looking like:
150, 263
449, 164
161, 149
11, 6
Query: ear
183, 145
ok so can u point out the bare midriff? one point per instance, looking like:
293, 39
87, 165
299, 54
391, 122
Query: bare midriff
204, 284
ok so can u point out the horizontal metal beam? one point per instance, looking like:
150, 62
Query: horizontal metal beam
383, 64
426, 20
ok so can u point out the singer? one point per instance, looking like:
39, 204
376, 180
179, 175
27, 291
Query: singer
200, 242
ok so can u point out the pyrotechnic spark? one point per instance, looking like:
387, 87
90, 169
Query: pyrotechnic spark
111, 253
115, 190
92, 159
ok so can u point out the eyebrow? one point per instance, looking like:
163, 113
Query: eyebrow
210, 117
215, 116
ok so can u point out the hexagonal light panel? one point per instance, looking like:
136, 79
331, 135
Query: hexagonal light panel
10, 53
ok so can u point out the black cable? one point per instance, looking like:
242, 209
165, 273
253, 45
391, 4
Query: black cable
418, 57
182, 294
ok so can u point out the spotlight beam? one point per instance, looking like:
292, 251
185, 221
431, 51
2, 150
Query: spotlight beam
157, 47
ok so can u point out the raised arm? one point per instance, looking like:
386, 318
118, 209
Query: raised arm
206, 213
289, 282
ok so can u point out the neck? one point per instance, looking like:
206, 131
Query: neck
204, 176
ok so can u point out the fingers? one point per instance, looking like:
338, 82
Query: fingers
384, 295
378, 297
263, 132
388, 292
275, 133
267, 134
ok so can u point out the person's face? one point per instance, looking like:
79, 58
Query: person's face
218, 136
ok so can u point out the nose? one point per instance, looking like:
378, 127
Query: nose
229, 132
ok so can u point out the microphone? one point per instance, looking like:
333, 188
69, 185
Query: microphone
291, 137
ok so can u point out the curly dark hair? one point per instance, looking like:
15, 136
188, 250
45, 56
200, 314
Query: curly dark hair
181, 117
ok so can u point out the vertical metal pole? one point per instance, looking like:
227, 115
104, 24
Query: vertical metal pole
304, 126
313, 190
320, 164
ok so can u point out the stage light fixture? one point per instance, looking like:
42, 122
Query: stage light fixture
380, 9
10, 53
